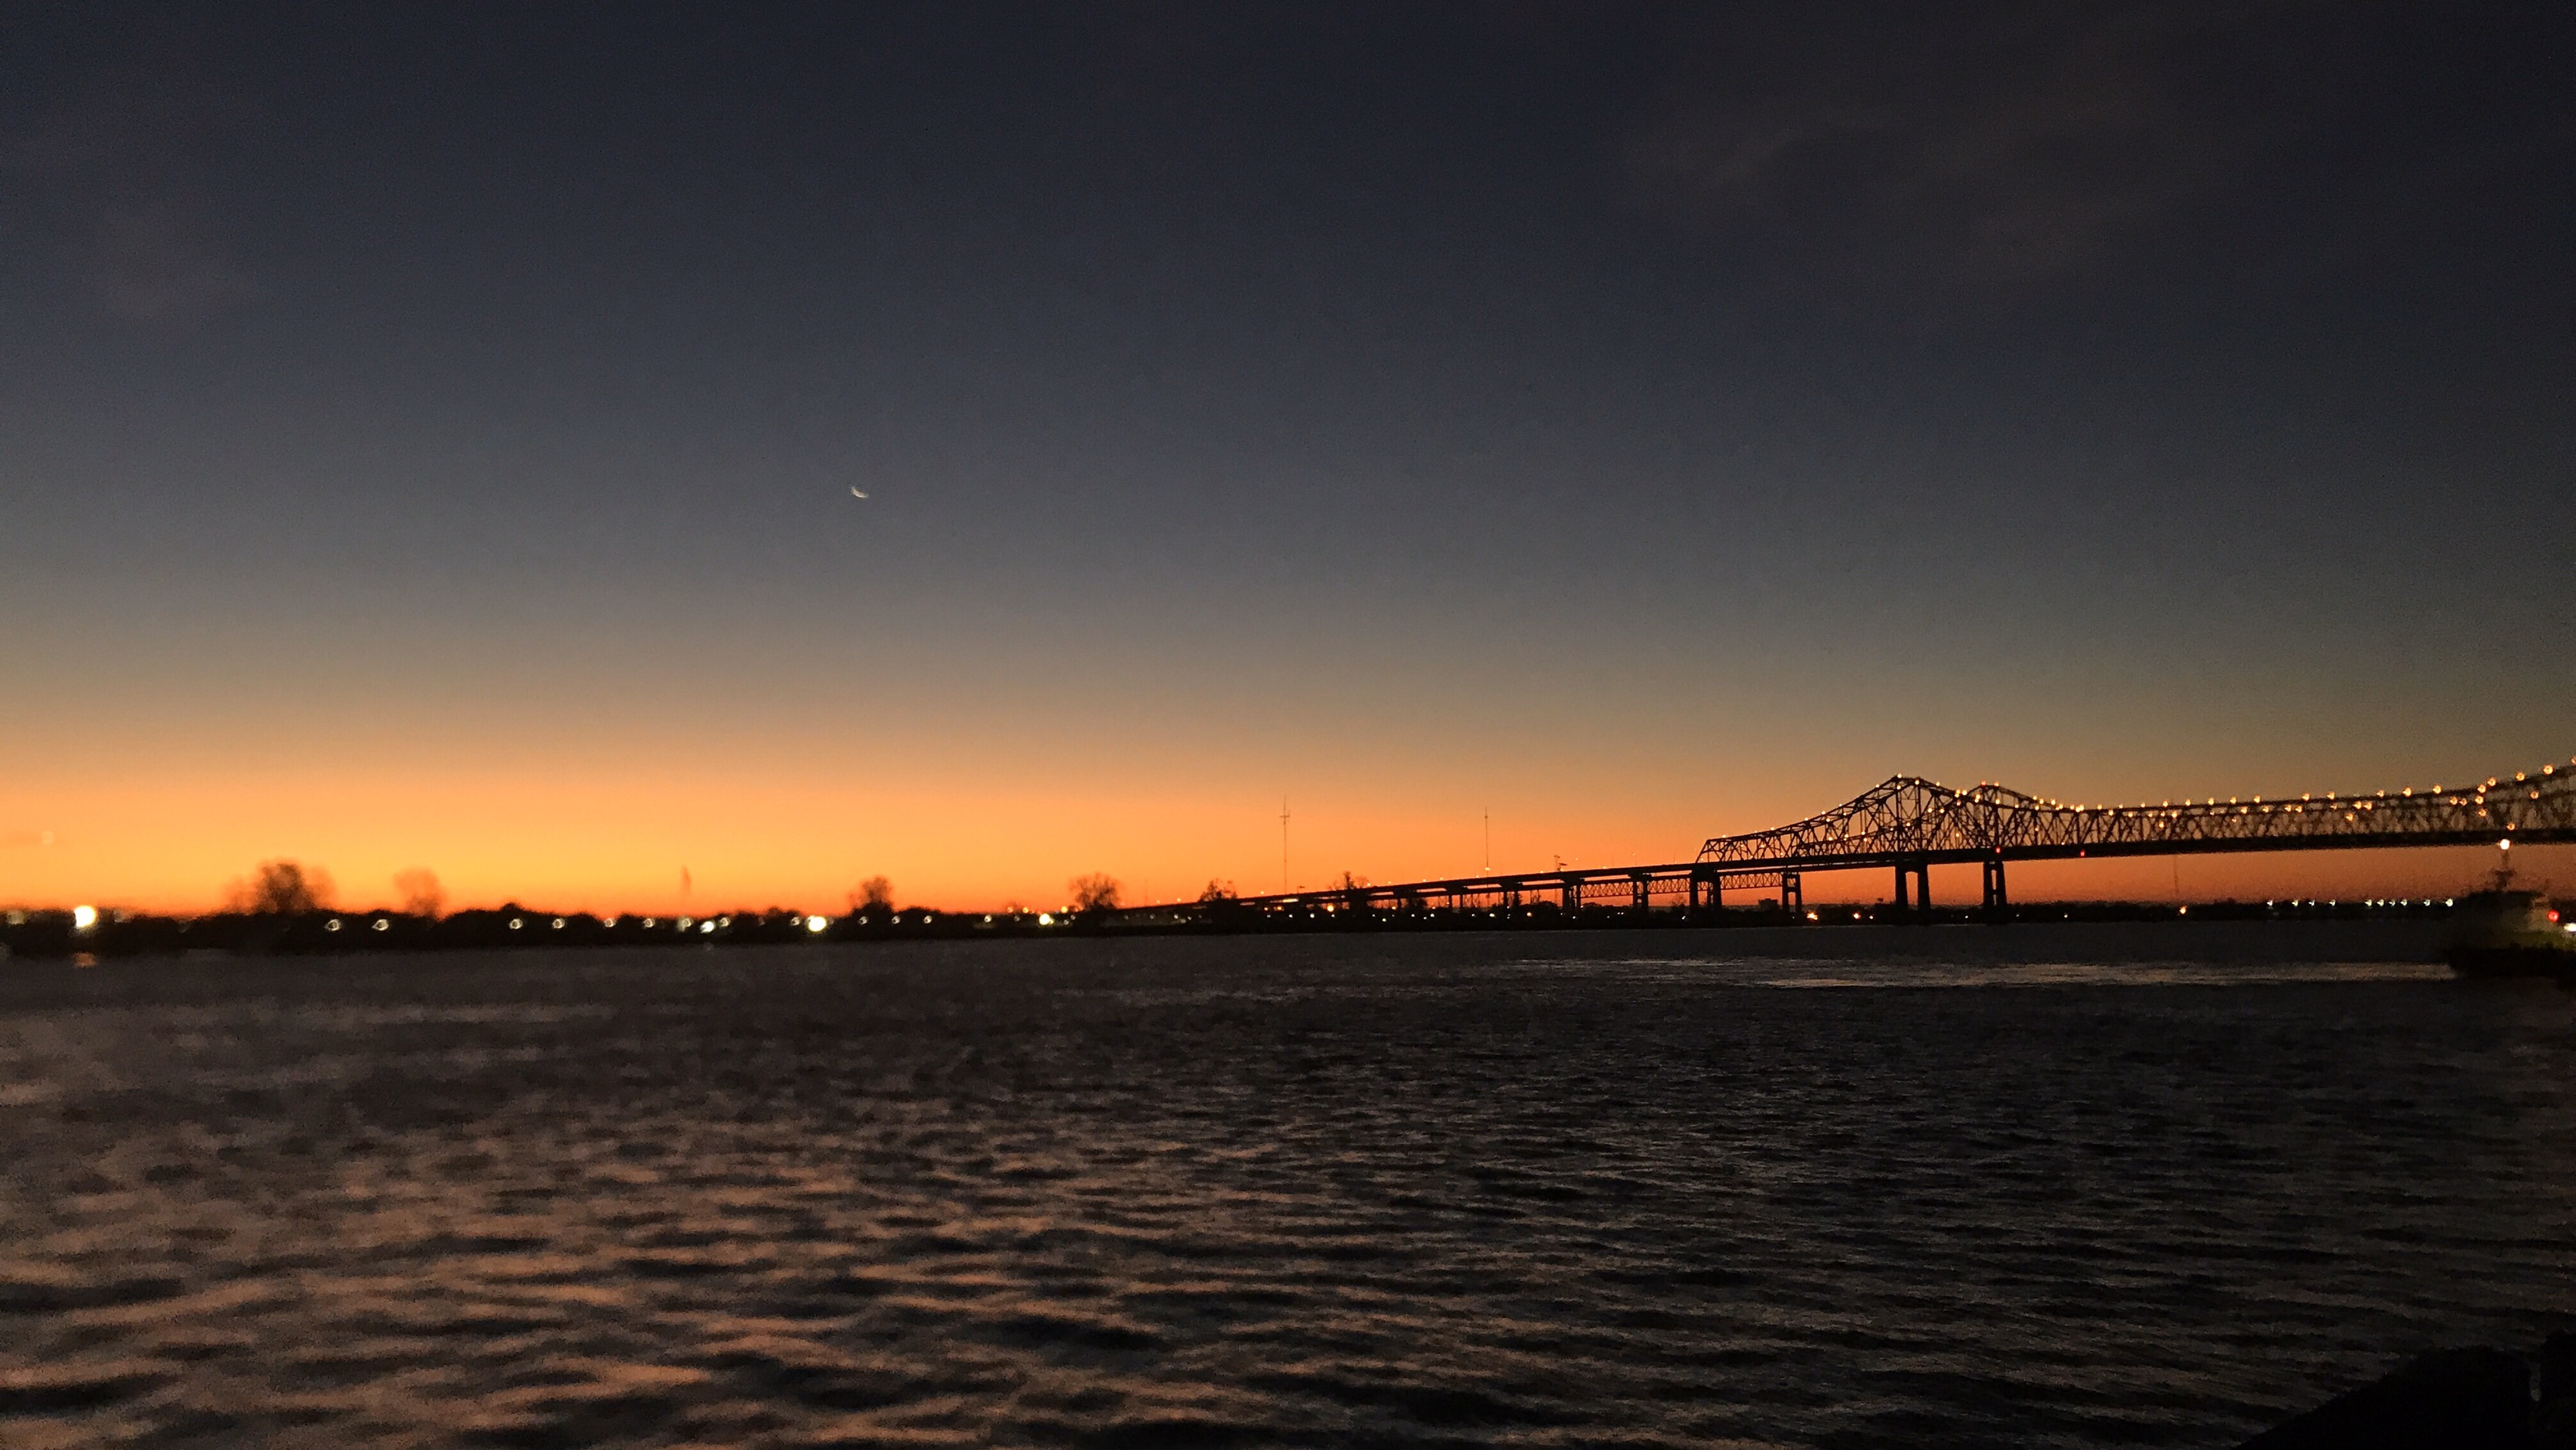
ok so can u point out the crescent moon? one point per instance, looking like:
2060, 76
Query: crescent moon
854, 493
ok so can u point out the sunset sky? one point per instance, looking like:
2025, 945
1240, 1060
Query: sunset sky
427, 436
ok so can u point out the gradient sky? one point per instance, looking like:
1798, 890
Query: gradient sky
427, 434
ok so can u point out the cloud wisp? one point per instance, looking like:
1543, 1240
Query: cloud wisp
1993, 146
119, 188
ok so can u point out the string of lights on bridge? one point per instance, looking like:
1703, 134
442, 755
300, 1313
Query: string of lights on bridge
2468, 795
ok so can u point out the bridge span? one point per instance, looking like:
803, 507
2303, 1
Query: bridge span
1908, 825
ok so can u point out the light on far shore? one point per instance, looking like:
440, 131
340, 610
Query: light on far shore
84, 917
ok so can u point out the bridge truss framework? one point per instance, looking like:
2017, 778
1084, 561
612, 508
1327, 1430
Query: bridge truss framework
1908, 825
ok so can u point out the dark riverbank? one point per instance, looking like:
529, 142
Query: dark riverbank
56, 934
2452, 1399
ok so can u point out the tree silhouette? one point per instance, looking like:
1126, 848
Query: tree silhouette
1095, 892
872, 895
420, 891
1216, 892
283, 888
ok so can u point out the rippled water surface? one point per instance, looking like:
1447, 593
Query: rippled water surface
2049, 1186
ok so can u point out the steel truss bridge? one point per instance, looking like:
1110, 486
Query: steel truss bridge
1908, 825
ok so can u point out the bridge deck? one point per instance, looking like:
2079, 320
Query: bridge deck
1910, 825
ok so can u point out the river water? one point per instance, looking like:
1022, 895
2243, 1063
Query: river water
2081, 1185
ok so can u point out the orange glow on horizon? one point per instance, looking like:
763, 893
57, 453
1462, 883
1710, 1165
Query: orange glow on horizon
595, 839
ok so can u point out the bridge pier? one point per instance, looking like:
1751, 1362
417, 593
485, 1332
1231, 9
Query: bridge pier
1793, 896
1996, 904
1919, 875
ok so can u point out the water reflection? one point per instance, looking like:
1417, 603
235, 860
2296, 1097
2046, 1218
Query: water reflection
1406, 1191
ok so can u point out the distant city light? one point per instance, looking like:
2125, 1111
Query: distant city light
1046, 918
558, 923
84, 917
515, 923
332, 925
648, 921
815, 924
383, 925
706, 928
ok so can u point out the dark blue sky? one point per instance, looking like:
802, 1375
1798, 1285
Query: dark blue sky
2103, 394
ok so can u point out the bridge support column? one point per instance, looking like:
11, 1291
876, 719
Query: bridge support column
1997, 906
1914, 881
1639, 900
1793, 896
